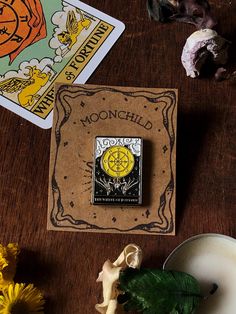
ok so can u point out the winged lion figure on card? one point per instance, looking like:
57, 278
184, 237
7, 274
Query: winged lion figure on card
27, 88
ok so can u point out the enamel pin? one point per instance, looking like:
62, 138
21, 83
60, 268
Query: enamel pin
117, 173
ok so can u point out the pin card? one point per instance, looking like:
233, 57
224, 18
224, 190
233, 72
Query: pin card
117, 173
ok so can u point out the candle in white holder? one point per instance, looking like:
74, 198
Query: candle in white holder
210, 258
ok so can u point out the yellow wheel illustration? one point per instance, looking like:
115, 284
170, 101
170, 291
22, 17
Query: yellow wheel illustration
117, 161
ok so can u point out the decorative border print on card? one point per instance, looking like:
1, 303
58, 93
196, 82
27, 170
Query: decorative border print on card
43, 42
84, 112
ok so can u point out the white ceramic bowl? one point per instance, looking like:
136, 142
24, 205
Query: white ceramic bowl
210, 258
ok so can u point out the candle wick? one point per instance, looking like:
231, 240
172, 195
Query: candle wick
212, 291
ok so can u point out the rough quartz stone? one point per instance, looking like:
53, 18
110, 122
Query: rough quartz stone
199, 46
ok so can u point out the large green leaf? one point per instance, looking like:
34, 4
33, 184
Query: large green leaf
154, 291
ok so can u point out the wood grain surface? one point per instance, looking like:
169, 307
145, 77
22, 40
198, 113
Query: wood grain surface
65, 265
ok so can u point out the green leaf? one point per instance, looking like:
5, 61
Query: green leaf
154, 291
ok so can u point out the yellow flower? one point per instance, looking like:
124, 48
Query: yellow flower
21, 299
8, 259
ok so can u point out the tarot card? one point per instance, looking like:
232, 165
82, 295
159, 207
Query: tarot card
117, 173
43, 42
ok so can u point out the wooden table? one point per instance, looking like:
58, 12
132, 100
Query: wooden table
64, 264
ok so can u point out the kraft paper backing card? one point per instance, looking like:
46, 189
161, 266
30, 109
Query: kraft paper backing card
83, 112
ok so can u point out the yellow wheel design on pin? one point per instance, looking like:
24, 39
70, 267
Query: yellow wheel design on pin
117, 161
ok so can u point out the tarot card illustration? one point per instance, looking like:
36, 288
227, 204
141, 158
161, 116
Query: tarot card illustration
117, 175
43, 42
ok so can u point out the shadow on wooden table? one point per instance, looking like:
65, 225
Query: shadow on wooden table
32, 269
191, 142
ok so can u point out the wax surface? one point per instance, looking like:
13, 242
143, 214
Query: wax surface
210, 259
